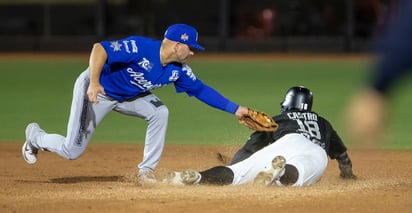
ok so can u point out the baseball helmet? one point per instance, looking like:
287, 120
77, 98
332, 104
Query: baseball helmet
298, 98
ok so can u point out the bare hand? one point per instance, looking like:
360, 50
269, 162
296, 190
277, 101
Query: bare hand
93, 91
241, 111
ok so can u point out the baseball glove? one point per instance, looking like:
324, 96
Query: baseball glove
259, 121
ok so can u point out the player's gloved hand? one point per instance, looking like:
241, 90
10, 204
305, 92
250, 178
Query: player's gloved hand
346, 172
258, 121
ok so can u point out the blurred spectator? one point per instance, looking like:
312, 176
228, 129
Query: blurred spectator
257, 23
367, 16
367, 109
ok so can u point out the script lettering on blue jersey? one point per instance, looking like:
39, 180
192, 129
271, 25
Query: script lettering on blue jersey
140, 81
189, 72
308, 126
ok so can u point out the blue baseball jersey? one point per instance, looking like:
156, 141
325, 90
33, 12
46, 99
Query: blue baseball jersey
133, 66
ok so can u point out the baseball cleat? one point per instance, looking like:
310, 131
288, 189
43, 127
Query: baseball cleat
173, 178
29, 152
146, 177
191, 177
266, 178
187, 177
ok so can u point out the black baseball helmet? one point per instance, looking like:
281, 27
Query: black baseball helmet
298, 98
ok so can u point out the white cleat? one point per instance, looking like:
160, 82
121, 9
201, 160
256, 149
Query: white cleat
187, 177
29, 152
173, 178
146, 177
191, 177
267, 178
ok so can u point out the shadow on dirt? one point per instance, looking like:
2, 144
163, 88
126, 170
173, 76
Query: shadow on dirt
80, 179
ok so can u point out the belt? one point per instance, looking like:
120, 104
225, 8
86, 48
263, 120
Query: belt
141, 95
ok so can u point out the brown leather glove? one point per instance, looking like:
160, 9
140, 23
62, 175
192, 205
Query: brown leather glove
259, 121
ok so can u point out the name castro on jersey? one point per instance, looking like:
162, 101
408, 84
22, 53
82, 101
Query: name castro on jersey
308, 126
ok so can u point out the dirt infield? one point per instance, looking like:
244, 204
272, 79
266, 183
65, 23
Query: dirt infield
103, 181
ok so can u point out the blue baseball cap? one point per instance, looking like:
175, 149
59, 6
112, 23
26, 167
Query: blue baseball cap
184, 34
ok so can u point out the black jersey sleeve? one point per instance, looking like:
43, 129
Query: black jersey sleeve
335, 144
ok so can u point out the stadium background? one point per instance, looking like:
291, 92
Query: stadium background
224, 25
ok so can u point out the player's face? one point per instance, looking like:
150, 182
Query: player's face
183, 52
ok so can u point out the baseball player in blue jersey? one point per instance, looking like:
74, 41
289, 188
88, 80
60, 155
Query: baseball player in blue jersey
367, 110
295, 154
119, 78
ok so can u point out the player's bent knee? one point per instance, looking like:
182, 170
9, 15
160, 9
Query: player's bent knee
72, 154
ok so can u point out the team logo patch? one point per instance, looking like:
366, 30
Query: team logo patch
145, 64
174, 76
184, 37
116, 46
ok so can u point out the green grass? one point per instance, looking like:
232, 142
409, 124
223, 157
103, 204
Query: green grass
41, 91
